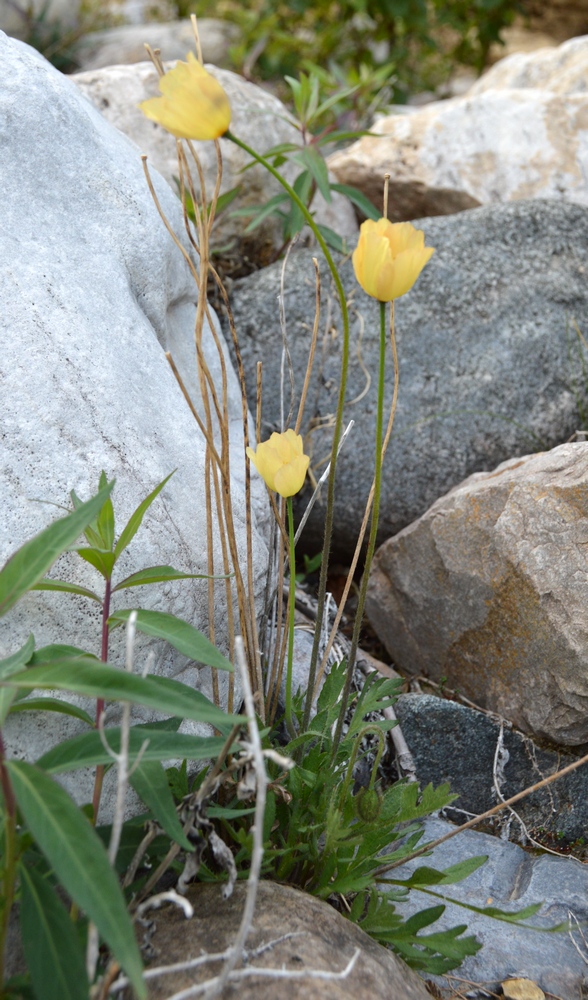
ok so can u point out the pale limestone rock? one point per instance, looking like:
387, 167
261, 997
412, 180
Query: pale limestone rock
125, 44
489, 589
499, 145
258, 117
93, 292
561, 70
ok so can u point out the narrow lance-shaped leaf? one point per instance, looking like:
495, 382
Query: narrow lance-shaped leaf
359, 199
11, 665
180, 634
105, 519
159, 574
310, 158
53, 950
101, 559
79, 859
134, 523
97, 680
66, 588
151, 785
90, 533
30, 563
87, 749
52, 705
16, 661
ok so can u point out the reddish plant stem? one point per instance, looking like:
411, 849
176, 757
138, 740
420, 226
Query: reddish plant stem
99, 777
9, 870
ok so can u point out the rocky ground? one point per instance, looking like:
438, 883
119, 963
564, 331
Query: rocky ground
478, 592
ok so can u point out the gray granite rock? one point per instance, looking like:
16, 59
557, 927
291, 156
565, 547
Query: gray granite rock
510, 880
454, 743
489, 363
93, 292
489, 589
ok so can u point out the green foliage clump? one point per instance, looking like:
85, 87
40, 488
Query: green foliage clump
330, 838
48, 845
421, 39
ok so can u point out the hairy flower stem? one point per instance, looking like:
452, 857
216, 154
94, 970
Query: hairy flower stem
322, 589
291, 606
373, 532
99, 776
9, 866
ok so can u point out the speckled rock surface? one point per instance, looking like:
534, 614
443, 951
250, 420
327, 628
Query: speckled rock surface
320, 939
490, 590
258, 118
452, 742
93, 293
489, 363
560, 70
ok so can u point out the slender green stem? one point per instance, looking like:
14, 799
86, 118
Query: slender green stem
373, 533
322, 588
291, 606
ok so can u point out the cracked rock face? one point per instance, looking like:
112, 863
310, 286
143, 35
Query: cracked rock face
489, 589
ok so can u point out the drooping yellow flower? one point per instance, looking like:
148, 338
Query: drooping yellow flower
193, 106
281, 462
389, 258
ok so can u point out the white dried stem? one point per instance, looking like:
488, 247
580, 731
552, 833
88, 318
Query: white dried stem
217, 985
320, 483
194, 963
501, 758
583, 954
251, 971
154, 902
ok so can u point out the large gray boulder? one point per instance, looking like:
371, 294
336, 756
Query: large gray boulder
470, 750
490, 359
489, 589
93, 292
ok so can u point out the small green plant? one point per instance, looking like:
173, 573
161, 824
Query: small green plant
330, 836
318, 129
423, 40
49, 845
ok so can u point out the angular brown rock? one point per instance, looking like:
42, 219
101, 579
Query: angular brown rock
489, 589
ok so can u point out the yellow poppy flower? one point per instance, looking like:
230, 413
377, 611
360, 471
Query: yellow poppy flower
193, 106
389, 258
281, 462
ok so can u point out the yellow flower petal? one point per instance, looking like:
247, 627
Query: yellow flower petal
281, 462
389, 258
193, 105
290, 478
